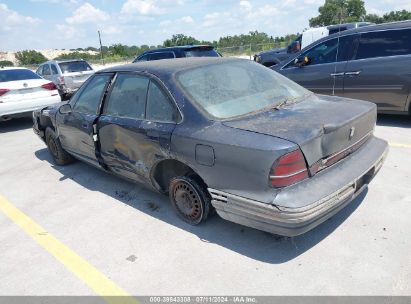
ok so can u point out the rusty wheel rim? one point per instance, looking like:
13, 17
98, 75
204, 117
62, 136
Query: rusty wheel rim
188, 202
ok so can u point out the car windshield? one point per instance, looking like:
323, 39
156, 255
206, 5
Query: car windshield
202, 52
17, 74
238, 88
74, 66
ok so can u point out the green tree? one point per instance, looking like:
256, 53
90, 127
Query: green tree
30, 57
6, 63
118, 49
389, 17
77, 55
339, 11
180, 39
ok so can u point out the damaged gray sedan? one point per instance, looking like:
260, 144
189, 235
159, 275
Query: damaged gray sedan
223, 134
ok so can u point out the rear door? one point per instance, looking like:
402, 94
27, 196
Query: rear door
76, 129
380, 71
325, 72
136, 126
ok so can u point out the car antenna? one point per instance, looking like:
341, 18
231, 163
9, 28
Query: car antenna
336, 54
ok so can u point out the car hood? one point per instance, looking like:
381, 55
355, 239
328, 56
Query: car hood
273, 51
320, 125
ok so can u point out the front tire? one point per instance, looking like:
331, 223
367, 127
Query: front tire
60, 156
190, 201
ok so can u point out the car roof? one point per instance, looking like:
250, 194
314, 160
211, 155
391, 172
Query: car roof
63, 61
349, 25
13, 68
169, 66
363, 29
178, 47
373, 27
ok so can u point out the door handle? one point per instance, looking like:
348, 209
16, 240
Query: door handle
84, 126
337, 74
356, 73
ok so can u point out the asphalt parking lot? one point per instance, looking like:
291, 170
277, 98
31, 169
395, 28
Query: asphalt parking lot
64, 230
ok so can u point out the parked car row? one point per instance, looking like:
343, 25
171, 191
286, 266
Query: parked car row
22, 90
67, 75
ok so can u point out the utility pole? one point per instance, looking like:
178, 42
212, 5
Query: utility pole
101, 46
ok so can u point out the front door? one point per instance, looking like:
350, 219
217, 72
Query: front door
324, 74
76, 128
136, 125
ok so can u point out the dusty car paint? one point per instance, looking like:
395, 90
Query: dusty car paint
233, 157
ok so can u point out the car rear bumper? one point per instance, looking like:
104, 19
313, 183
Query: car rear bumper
63, 89
29, 105
321, 196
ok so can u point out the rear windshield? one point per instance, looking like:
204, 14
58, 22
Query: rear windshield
74, 66
17, 74
237, 88
201, 52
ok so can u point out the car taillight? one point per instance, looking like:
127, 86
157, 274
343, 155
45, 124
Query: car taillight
3, 91
288, 170
61, 79
49, 86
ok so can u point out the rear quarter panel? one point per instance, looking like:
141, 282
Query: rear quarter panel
242, 159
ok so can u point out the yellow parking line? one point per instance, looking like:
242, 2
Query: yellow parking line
97, 281
400, 145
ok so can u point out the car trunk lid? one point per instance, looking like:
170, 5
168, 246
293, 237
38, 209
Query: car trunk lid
322, 126
21, 90
76, 79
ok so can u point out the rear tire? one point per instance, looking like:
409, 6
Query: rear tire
190, 201
60, 156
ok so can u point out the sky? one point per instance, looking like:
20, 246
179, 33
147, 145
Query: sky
45, 24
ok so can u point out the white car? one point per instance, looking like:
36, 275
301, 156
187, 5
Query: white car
23, 91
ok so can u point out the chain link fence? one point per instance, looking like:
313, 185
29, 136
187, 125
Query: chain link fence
249, 50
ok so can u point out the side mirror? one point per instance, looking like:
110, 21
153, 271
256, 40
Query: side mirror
302, 61
65, 109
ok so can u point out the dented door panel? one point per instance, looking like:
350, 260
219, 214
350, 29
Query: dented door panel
131, 147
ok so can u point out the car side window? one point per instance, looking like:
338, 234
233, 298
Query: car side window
325, 52
384, 43
53, 69
346, 48
128, 97
89, 98
159, 106
40, 70
143, 58
46, 70
161, 55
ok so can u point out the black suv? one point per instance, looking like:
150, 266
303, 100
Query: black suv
178, 52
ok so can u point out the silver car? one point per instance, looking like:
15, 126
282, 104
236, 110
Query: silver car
67, 75
370, 63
